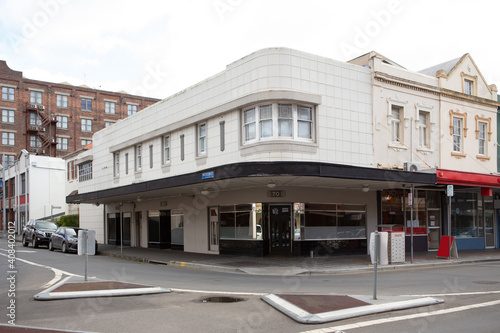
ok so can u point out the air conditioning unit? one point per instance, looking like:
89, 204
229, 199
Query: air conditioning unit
41, 107
42, 129
33, 106
53, 140
412, 166
34, 128
34, 150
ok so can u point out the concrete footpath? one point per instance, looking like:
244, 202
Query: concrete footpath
283, 265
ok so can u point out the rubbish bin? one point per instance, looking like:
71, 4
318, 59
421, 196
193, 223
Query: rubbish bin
395, 242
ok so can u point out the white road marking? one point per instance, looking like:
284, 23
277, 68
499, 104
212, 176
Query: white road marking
57, 272
406, 317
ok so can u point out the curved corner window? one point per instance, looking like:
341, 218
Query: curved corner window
278, 121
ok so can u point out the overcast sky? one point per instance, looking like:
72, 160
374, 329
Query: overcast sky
157, 48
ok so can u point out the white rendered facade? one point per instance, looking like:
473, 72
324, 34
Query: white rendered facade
38, 192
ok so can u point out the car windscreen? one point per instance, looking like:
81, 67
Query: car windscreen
46, 225
70, 232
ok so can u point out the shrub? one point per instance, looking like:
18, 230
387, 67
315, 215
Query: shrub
69, 221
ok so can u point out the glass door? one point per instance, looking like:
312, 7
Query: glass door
489, 225
214, 229
434, 228
280, 221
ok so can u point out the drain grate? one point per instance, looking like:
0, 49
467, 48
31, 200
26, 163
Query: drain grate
221, 299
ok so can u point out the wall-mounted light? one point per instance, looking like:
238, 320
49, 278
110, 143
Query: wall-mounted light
365, 188
205, 192
139, 199
97, 204
271, 184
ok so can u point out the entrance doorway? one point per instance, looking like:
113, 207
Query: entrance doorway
280, 224
214, 229
434, 228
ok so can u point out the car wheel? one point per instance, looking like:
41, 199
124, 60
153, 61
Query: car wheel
25, 242
34, 243
51, 247
64, 248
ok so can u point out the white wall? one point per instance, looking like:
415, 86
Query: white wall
343, 118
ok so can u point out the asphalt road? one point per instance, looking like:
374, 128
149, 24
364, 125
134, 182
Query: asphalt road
471, 293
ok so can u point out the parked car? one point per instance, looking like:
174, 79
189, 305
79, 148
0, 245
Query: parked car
66, 239
38, 232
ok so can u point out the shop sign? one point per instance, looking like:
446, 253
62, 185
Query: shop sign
207, 175
276, 194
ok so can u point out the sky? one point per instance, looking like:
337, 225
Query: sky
158, 48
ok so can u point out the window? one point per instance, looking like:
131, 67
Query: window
86, 104
423, 129
249, 124
241, 221
8, 116
150, 156
222, 126
126, 163
36, 97
10, 160
266, 121
23, 183
182, 146
108, 123
131, 109
468, 87
35, 141
70, 168
116, 164
85, 142
62, 122
8, 139
202, 139
85, 171
35, 120
86, 125
457, 134
62, 101
7, 93
166, 149
277, 121
62, 143
482, 127
396, 113
285, 120
138, 158
304, 121
109, 107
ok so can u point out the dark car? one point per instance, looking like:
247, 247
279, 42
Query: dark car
38, 232
66, 239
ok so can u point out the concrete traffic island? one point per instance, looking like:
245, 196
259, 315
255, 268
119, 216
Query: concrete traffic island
317, 308
77, 287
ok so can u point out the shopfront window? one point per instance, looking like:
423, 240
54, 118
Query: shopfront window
419, 221
241, 221
465, 213
318, 221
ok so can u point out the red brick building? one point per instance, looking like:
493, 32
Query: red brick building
54, 119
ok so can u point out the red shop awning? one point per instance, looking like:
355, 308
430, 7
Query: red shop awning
452, 177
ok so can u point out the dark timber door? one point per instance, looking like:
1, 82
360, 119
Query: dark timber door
280, 228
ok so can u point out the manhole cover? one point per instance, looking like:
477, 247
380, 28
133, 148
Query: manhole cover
221, 299
486, 282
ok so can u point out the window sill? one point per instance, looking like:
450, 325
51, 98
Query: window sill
397, 146
279, 145
483, 157
201, 157
425, 151
458, 155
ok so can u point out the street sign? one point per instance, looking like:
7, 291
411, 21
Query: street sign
449, 190
86, 242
